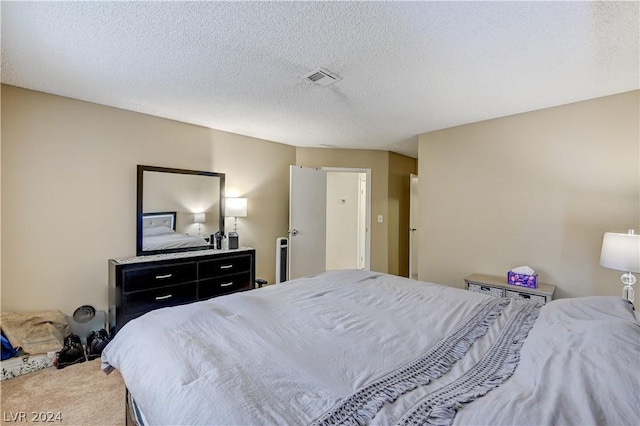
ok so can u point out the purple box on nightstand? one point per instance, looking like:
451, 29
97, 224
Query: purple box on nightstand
522, 280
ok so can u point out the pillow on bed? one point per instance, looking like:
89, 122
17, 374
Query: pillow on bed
157, 230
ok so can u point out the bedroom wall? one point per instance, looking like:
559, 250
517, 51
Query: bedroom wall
537, 189
69, 192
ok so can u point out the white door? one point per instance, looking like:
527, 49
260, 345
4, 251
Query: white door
307, 221
413, 228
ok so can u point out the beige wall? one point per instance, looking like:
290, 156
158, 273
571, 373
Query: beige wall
69, 192
536, 189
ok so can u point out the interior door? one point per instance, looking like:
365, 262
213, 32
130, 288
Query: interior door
414, 219
307, 221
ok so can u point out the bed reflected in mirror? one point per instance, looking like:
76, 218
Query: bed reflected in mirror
178, 209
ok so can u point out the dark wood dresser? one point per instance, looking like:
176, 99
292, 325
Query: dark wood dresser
141, 284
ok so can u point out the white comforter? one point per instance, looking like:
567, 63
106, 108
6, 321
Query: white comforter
287, 354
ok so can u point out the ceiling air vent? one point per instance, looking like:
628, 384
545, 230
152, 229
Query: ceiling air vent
321, 77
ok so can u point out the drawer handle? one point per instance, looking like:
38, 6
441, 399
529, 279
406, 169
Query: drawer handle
168, 296
485, 288
159, 277
226, 284
226, 266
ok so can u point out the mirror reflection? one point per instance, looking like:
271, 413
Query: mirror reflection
178, 209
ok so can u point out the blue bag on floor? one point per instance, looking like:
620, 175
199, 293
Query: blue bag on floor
7, 349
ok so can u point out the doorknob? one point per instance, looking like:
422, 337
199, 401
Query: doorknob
294, 232
412, 229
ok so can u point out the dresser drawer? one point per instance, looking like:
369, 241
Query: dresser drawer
144, 278
525, 296
498, 286
224, 285
485, 289
144, 301
224, 266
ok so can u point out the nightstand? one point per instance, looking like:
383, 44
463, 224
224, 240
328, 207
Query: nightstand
498, 287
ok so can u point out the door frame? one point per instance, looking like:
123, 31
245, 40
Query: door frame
414, 225
367, 238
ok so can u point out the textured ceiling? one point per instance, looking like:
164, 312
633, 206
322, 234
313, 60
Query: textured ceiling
406, 67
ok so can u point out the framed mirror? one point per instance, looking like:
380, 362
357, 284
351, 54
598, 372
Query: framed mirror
178, 209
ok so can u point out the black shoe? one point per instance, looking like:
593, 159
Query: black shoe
96, 341
71, 353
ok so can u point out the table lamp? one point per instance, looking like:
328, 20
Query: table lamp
235, 207
622, 253
199, 218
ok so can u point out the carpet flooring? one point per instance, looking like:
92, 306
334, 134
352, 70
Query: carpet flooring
79, 394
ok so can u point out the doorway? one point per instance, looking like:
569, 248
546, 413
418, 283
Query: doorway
414, 224
347, 225
329, 220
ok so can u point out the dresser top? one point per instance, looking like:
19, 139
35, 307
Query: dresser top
177, 255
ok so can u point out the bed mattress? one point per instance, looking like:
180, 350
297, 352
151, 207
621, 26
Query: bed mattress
355, 347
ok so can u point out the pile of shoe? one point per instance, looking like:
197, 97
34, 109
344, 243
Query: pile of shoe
96, 342
73, 352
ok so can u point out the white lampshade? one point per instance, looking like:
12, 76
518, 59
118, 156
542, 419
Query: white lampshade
621, 252
235, 207
199, 218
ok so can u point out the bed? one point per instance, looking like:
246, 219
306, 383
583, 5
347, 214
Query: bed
159, 233
359, 347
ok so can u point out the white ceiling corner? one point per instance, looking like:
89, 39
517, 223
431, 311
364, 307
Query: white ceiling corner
406, 67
